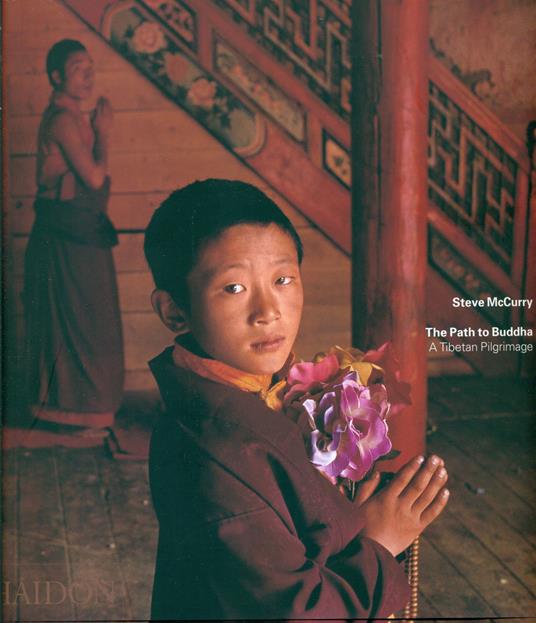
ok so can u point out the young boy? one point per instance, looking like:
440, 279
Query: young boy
248, 527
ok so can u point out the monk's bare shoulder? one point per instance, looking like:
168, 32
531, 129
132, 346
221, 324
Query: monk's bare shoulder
61, 126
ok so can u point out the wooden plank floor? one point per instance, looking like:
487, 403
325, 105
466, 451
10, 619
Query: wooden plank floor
479, 557
80, 533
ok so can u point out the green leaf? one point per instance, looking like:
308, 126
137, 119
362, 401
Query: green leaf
390, 455
225, 121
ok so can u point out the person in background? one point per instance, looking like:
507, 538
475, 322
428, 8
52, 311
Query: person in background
74, 346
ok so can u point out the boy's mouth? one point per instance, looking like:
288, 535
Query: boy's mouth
269, 344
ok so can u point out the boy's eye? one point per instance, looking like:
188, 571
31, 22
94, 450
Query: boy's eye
284, 281
234, 288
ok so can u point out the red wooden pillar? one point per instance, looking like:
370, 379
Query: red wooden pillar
528, 362
389, 143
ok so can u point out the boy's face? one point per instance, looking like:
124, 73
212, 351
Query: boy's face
246, 298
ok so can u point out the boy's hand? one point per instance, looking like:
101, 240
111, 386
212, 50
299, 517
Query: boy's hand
396, 515
367, 488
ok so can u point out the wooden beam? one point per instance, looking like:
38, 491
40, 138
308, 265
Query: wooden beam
389, 103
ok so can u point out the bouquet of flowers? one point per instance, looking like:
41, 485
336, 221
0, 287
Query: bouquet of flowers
346, 396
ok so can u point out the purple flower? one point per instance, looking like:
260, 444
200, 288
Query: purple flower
348, 428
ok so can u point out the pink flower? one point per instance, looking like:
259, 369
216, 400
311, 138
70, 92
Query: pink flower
148, 38
202, 93
238, 72
308, 377
176, 67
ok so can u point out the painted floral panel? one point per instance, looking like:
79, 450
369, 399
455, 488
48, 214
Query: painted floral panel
149, 47
178, 16
260, 89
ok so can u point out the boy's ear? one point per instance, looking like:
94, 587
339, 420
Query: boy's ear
170, 313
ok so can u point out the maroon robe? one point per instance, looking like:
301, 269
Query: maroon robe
249, 529
74, 346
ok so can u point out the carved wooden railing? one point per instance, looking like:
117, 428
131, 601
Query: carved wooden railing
478, 213
239, 67
202, 60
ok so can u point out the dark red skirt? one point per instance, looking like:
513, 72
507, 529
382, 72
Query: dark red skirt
74, 345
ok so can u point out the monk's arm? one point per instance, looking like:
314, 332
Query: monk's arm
90, 167
102, 122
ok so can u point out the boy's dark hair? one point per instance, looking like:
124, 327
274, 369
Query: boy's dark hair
58, 54
197, 213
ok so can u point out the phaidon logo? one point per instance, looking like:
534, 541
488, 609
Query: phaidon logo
53, 593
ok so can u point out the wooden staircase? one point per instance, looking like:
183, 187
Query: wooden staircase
272, 83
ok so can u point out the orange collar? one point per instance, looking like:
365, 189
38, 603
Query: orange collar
220, 372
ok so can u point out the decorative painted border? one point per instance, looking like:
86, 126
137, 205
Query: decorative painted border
140, 39
336, 160
311, 37
463, 276
471, 178
178, 16
260, 89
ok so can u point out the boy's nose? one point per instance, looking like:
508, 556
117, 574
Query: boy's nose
265, 309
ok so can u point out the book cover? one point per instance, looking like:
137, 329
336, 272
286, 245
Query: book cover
398, 137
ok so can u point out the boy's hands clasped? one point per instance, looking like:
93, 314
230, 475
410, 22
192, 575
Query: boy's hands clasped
397, 514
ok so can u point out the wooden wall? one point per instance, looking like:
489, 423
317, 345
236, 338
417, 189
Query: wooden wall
155, 148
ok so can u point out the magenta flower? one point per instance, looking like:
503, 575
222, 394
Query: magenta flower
349, 432
308, 377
